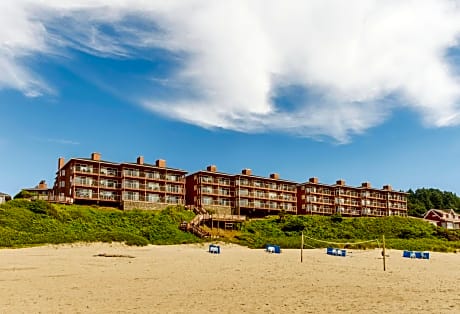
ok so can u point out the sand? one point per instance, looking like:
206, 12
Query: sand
187, 279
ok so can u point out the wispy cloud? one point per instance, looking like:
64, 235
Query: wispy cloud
237, 54
58, 141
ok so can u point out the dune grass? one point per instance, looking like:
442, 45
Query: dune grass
28, 223
25, 223
402, 233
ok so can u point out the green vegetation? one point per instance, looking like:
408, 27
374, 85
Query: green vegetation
400, 233
25, 223
422, 200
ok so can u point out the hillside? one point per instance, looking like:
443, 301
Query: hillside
400, 232
26, 223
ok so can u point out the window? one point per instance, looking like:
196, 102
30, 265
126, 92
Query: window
154, 186
244, 202
155, 198
206, 200
224, 202
84, 193
172, 177
244, 192
109, 183
84, 168
107, 195
173, 199
131, 184
130, 196
206, 179
224, 192
83, 181
224, 181
206, 189
131, 172
173, 188
109, 171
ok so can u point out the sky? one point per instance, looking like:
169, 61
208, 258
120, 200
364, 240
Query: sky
365, 90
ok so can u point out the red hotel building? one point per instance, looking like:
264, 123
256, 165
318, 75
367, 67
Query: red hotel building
323, 199
244, 193
124, 185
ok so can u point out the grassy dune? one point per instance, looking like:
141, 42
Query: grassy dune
26, 223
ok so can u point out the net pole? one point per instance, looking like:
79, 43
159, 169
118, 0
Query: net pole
383, 253
301, 249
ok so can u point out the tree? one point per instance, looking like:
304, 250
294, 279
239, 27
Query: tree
422, 200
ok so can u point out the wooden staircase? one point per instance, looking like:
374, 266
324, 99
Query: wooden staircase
194, 225
201, 216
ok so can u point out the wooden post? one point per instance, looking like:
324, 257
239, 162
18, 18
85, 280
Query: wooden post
383, 253
301, 249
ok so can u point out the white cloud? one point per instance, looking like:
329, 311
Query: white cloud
237, 54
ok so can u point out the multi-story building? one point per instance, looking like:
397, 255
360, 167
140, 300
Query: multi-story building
211, 190
323, 199
125, 185
240, 194
259, 196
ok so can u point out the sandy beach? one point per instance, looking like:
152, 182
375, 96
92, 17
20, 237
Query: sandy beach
187, 279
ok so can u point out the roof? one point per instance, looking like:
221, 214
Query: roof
441, 212
152, 166
121, 163
4, 194
217, 173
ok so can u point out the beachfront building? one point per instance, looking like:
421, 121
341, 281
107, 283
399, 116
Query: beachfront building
260, 196
323, 199
125, 185
4, 197
446, 218
211, 190
241, 194
40, 192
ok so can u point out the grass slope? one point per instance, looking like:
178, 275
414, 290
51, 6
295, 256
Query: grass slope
25, 223
400, 233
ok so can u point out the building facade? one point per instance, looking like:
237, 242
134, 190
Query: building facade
448, 218
323, 199
259, 196
4, 197
124, 185
39, 192
211, 190
241, 194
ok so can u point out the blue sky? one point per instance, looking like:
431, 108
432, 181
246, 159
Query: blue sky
367, 91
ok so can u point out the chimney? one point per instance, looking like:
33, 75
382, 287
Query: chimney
61, 163
246, 171
275, 176
161, 163
211, 168
387, 187
140, 160
340, 182
42, 185
313, 180
96, 156
366, 185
